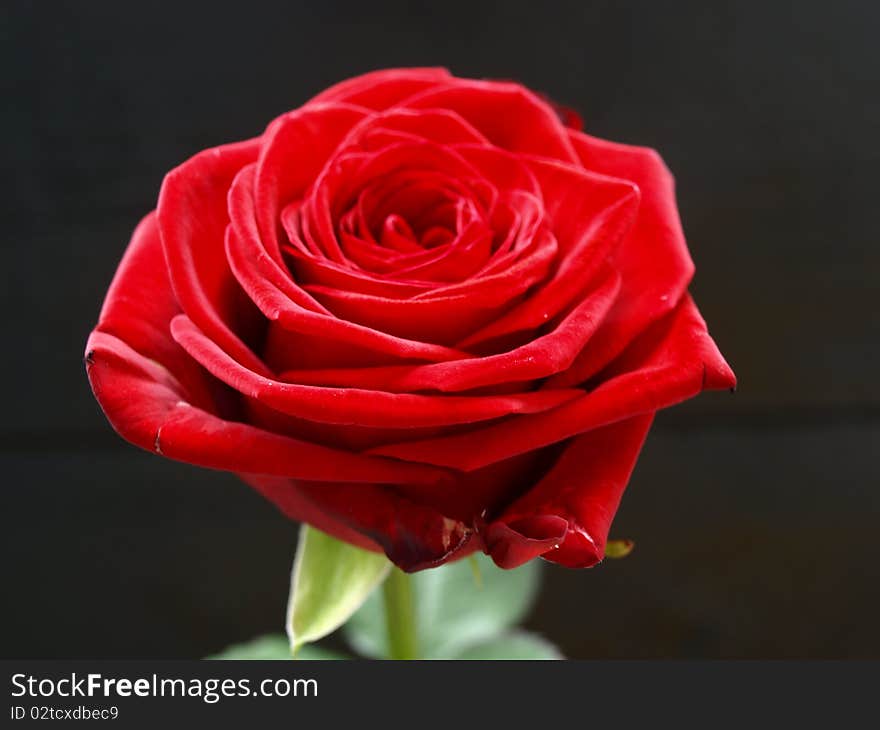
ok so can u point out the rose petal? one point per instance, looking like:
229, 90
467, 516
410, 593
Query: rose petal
565, 518
413, 536
281, 301
538, 358
441, 126
307, 136
672, 361
590, 215
512, 543
383, 89
285, 494
160, 400
139, 305
448, 313
192, 222
653, 259
354, 406
509, 115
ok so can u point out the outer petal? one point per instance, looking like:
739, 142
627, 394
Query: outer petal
383, 89
511, 116
139, 305
653, 259
192, 221
671, 362
285, 494
565, 518
373, 517
358, 407
414, 536
160, 400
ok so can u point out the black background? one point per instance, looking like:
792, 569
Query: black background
755, 515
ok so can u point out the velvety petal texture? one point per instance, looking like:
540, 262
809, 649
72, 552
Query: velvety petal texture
427, 315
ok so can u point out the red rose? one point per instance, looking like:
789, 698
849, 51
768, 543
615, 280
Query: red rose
418, 313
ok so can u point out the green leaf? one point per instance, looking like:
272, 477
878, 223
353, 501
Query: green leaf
452, 612
331, 579
513, 645
275, 646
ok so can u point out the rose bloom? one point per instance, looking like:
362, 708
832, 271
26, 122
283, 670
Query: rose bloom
419, 313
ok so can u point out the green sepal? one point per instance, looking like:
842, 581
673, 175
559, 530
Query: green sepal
331, 580
618, 548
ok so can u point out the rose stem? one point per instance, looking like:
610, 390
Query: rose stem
400, 617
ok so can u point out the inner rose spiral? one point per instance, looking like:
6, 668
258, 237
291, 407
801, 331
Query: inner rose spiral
418, 313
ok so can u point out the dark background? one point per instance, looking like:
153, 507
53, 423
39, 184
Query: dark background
755, 515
